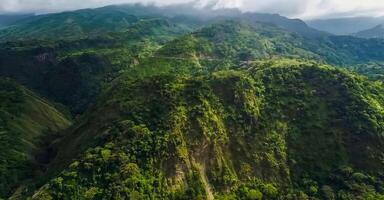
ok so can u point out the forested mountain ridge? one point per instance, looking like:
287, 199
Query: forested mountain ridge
180, 103
375, 32
93, 22
82, 66
345, 25
231, 134
68, 25
25, 119
231, 44
10, 19
80, 51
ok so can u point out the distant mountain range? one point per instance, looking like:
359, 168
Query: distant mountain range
375, 32
345, 26
144, 102
93, 22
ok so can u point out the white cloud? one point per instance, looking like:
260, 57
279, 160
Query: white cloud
44, 6
291, 8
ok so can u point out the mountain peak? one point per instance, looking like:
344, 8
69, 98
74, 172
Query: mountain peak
375, 32
179, 103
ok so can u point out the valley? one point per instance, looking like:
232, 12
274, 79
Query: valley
173, 102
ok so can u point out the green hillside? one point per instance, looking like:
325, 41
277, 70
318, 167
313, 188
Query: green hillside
277, 130
25, 119
69, 25
375, 32
83, 66
233, 44
94, 22
177, 102
9, 19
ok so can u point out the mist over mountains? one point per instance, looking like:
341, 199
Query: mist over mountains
340, 25
346, 26
308, 9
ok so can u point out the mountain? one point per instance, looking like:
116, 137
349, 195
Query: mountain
345, 26
277, 130
231, 43
177, 102
373, 70
375, 32
85, 66
7, 20
82, 66
234, 43
292, 25
68, 25
94, 22
26, 121
86, 61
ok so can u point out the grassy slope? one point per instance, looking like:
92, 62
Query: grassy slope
25, 120
280, 129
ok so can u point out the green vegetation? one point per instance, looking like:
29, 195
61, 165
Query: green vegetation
247, 41
169, 104
278, 130
7, 20
375, 32
82, 66
373, 70
70, 25
86, 65
24, 119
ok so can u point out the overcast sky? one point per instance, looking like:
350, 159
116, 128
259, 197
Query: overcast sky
305, 9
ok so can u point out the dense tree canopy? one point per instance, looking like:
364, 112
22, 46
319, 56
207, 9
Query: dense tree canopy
170, 104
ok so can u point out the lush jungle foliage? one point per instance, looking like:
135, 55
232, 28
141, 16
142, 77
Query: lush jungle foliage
73, 72
84, 66
24, 119
94, 22
373, 70
83, 51
178, 103
278, 130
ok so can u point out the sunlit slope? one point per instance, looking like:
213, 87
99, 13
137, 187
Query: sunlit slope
234, 44
282, 129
